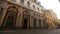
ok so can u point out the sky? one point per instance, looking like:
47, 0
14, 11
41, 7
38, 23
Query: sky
52, 4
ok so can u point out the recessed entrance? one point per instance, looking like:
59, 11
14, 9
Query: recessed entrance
25, 22
34, 22
26, 16
39, 20
10, 20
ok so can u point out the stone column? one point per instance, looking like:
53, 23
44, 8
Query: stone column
3, 16
18, 20
21, 9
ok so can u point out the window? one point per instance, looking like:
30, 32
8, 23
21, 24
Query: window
1, 10
22, 2
10, 21
39, 15
38, 9
34, 0
13, 0
33, 7
45, 25
34, 14
28, 4
0, 2
39, 20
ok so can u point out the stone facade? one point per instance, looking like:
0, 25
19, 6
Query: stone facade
15, 15
50, 18
22, 14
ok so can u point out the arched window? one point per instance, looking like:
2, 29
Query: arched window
34, 7
45, 25
28, 4
26, 19
13, 0
38, 9
10, 17
22, 2
35, 1
10, 20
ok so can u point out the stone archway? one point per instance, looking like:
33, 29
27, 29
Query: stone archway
26, 19
39, 20
25, 23
10, 17
10, 20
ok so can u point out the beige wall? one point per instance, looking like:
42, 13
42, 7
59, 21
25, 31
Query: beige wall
31, 5
50, 18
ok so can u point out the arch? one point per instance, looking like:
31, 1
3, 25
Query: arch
13, 6
10, 20
26, 19
26, 11
8, 16
28, 4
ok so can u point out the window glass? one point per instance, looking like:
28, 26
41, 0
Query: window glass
33, 7
13, 0
10, 20
22, 1
38, 9
28, 4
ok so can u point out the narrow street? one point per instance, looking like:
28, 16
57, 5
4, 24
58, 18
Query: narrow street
36, 31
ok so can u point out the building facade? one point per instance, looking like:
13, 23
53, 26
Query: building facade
58, 23
50, 18
21, 14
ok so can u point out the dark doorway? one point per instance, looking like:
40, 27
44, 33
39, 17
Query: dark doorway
39, 20
10, 20
25, 23
34, 22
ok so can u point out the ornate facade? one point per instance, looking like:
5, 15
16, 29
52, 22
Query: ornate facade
15, 16
50, 18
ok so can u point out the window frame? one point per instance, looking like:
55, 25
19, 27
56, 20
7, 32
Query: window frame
13, 0
37, 8
22, 2
28, 4
34, 7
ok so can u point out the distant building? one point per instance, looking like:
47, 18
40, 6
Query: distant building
50, 18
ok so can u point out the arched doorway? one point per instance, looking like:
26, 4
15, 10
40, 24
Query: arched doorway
10, 20
26, 19
25, 23
10, 17
34, 22
39, 20
45, 24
